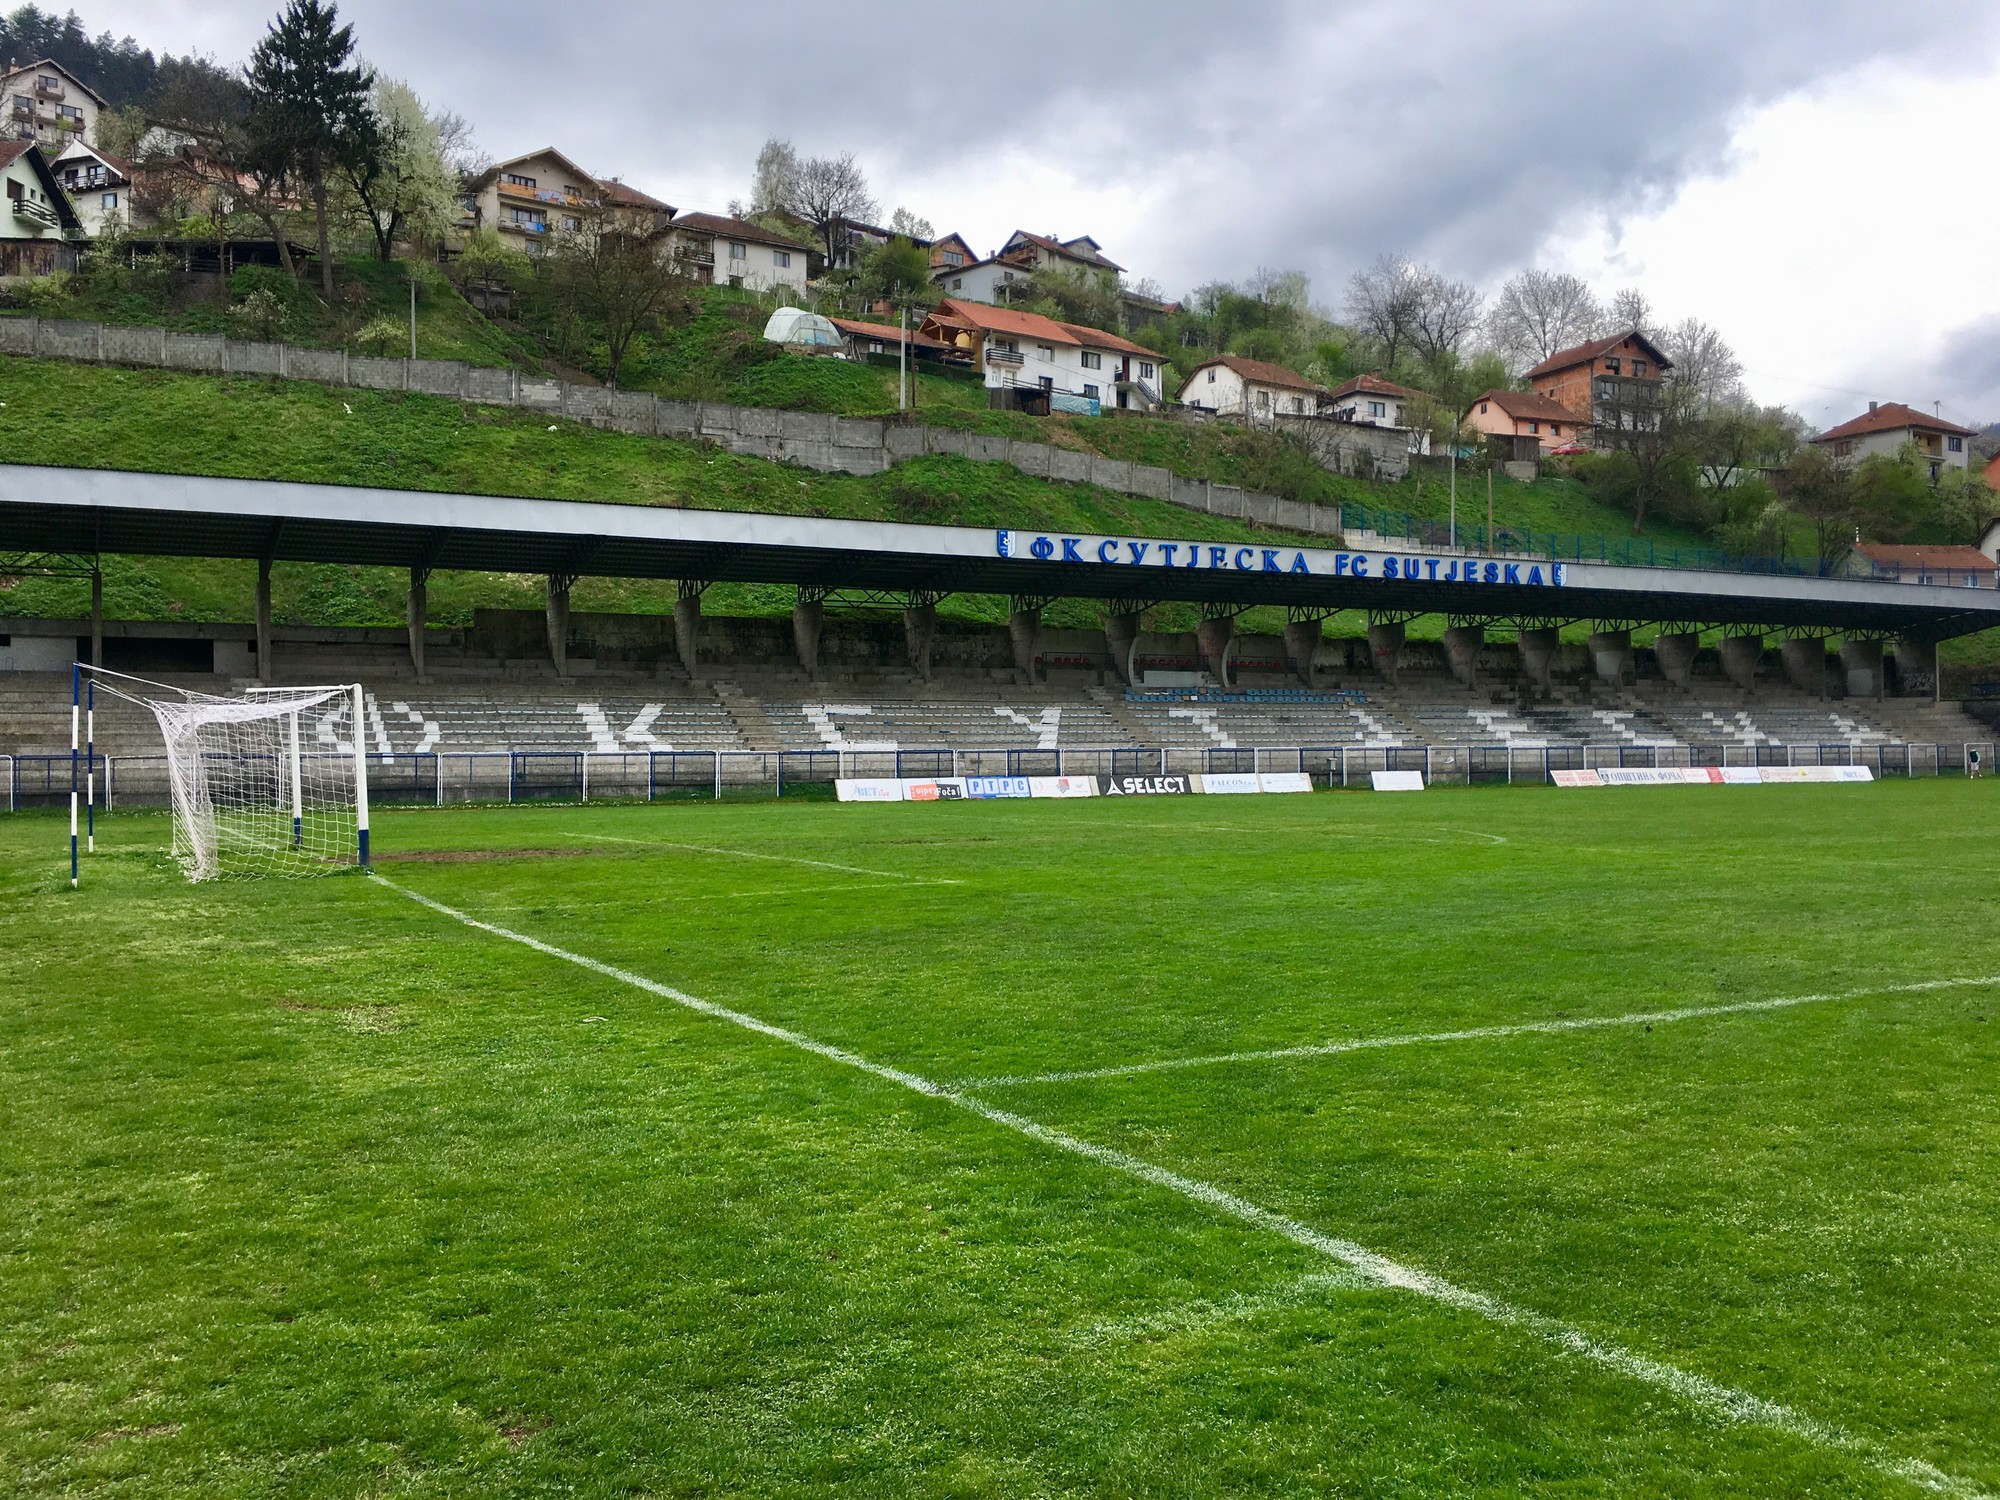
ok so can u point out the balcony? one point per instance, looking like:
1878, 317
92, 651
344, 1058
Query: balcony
23, 108
49, 88
1003, 357
35, 213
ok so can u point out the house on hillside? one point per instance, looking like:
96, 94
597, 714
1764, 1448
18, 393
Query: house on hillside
736, 252
41, 228
950, 252
49, 105
1607, 384
1232, 386
1887, 425
528, 198
853, 240
1958, 567
1001, 277
1993, 472
1371, 401
1091, 368
864, 339
1517, 415
99, 185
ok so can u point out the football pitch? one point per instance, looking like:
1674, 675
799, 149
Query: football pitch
1637, 1142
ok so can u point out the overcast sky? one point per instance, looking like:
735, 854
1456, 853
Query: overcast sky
1810, 177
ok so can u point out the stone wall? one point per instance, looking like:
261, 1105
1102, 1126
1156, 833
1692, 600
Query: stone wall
812, 440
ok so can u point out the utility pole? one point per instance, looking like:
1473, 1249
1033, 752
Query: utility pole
413, 317
1489, 507
1454, 497
903, 362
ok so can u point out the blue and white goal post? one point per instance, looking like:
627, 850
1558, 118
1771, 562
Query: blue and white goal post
273, 782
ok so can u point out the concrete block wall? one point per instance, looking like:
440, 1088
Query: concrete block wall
827, 444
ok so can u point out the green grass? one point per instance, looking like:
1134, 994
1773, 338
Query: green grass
307, 1189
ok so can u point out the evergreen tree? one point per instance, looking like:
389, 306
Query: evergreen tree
310, 107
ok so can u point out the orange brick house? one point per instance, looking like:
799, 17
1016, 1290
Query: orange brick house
1518, 414
1605, 383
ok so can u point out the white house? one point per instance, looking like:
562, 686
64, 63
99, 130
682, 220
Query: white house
1232, 386
99, 185
735, 252
1014, 348
48, 104
37, 234
996, 278
1886, 426
989, 280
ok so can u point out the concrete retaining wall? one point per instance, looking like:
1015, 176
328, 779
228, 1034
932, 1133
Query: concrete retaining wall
827, 444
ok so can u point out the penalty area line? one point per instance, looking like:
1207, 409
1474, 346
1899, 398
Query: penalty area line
1469, 1034
1368, 1266
789, 859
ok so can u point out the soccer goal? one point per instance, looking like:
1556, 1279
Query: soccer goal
274, 782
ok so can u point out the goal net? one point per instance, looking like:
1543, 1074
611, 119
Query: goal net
271, 783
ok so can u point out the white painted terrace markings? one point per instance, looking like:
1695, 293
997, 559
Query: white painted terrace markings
789, 859
1471, 1034
1368, 1266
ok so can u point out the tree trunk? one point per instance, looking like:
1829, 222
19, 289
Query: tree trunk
325, 251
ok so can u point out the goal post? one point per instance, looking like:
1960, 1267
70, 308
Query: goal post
271, 782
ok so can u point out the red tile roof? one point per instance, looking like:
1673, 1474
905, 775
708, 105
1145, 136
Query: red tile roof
1005, 320
10, 151
1373, 385
1579, 354
630, 197
1263, 372
1891, 416
1097, 338
1528, 406
888, 333
1958, 559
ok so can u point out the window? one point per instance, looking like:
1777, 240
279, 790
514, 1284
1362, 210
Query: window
1145, 370
1638, 368
517, 179
1008, 344
1482, 408
1555, 429
957, 283
953, 258
1611, 364
1263, 401
572, 223
569, 190
1091, 392
1378, 409
1298, 403
1211, 377
781, 258
1046, 351
1092, 360
1048, 382
1955, 445
738, 251
1535, 427
110, 200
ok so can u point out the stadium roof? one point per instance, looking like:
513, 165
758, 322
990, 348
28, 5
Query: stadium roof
44, 510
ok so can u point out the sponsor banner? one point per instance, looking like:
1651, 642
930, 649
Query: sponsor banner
1397, 781
1711, 775
944, 789
878, 789
1228, 784
1652, 776
997, 786
1062, 786
1575, 778
1286, 781
1474, 573
1144, 786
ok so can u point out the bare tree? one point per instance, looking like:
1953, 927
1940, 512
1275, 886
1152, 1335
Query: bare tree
774, 188
1630, 311
1703, 361
910, 226
617, 272
1539, 312
1443, 316
1382, 303
828, 193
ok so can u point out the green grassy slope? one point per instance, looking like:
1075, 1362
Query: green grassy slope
307, 1189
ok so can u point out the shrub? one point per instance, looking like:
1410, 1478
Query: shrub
50, 294
260, 315
384, 336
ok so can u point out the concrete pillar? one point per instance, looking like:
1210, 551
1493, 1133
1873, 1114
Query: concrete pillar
1740, 655
1461, 651
1023, 626
1121, 636
919, 631
556, 608
1917, 666
1213, 638
417, 612
1862, 662
97, 619
1385, 645
1804, 660
1675, 650
1302, 638
264, 673
687, 630
1611, 654
1537, 645
808, 618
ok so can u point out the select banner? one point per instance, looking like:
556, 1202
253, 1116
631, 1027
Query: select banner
1144, 786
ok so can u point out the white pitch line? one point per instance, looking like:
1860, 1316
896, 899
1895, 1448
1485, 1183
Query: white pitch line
1470, 1034
1697, 1390
789, 859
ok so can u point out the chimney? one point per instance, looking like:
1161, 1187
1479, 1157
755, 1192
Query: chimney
1871, 406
